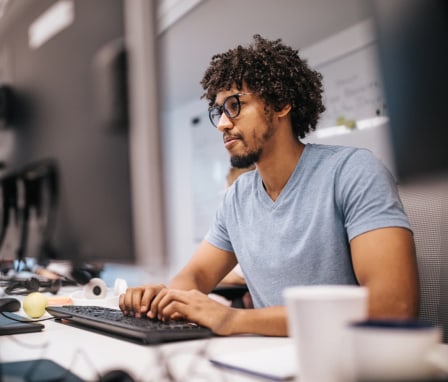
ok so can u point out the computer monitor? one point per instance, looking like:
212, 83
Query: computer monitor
412, 41
78, 95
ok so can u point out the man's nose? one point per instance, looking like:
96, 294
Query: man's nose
224, 123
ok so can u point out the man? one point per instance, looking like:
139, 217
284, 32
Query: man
309, 214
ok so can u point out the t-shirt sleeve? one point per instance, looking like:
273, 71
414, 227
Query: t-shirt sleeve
368, 195
217, 235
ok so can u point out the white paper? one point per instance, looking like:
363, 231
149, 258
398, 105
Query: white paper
278, 363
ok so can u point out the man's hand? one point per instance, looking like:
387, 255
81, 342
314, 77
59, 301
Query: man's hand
158, 301
138, 301
193, 306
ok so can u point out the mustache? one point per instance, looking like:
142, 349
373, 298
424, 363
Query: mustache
228, 137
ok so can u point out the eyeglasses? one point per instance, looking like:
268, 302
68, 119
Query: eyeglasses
231, 107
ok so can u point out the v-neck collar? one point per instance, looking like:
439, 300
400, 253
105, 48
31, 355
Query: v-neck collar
290, 184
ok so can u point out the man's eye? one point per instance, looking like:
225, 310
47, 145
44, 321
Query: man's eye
232, 107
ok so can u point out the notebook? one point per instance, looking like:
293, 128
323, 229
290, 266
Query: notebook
9, 325
277, 363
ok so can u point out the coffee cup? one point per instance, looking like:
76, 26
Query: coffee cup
396, 350
317, 320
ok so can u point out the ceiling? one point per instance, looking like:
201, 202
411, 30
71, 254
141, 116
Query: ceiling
213, 26
192, 31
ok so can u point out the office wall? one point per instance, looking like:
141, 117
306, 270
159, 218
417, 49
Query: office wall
179, 185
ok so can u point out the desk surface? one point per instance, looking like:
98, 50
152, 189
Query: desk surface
89, 354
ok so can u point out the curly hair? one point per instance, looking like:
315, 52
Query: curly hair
274, 72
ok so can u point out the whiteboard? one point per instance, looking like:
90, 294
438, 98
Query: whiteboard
353, 88
348, 62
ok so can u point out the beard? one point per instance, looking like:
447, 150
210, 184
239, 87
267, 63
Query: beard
250, 158
243, 161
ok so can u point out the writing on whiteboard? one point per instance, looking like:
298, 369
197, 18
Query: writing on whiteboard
352, 88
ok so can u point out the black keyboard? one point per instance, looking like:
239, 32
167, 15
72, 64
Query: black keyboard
113, 321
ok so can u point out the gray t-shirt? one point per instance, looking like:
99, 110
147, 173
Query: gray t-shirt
334, 194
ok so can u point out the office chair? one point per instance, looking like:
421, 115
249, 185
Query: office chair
427, 207
233, 293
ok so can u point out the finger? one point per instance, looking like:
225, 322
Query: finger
154, 307
165, 305
177, 316
172, 309
121, 302
135, 300
148, 296
126, 301
192, 305
176, 310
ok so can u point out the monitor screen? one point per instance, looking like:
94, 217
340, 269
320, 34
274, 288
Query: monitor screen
412, 41
82, 115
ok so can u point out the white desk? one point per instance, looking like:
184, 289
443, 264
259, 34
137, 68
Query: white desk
87, 354
90, 354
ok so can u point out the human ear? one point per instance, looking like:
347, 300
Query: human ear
284, 111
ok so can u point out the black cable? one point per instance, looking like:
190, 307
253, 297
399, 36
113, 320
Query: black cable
27, 321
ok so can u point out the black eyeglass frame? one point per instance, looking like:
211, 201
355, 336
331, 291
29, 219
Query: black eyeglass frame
223, 109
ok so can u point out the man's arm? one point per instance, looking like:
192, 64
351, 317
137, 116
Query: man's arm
205, 269
197, 307
186, 296
384, 260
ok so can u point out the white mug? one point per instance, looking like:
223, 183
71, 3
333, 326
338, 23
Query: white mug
317, 319
396, 350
